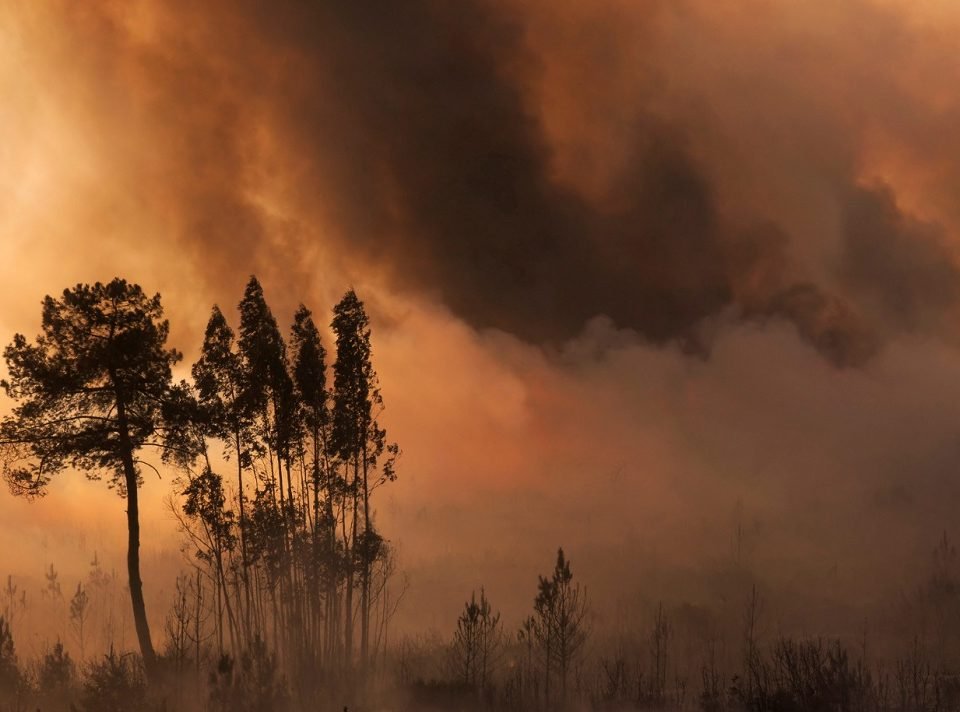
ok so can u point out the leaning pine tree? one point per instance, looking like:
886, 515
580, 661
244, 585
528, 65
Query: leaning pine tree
90, 395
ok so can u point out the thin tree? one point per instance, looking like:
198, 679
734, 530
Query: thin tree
52, 588
90, 394
569, 618
659, 639
466, 642
476, 641
79, 613
9, 672
309, 372
227, 413
268, 387
179, 621
268, 392
359, 442
351, 415
205, 503
11, 602
527, 637
544, 629
560, 623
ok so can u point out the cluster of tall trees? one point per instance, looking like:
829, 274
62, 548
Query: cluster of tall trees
287, 541
294, 553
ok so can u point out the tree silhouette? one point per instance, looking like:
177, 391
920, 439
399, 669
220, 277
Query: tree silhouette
351, 414
309, 373
227, 414
90, 394
268, 387
560, 623
476, 641
205, 502
56, 669
359, 442
79, 613
9, 672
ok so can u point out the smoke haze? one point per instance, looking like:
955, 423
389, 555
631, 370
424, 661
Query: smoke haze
639, 271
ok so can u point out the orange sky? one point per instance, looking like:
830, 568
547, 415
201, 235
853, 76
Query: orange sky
546, 206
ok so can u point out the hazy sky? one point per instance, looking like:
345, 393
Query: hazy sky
638, 270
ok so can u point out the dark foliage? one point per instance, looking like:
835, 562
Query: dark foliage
115, 684
253, 685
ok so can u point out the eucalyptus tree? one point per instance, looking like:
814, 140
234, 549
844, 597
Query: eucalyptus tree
268, 388
309, 372
359, 443
205, 503
227, 414
351, 403
310, 381
90, 395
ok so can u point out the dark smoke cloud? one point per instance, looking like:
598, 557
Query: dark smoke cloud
430, 119
407, 137
898, 264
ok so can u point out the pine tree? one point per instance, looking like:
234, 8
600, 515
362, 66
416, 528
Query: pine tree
10, 677
79, 613
475, 642
560, 610
90, 394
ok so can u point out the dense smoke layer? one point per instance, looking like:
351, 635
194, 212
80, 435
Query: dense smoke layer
612, 186
529, 166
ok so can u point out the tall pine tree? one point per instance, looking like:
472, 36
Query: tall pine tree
90, 394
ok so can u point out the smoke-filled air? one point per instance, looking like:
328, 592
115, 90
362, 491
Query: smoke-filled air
479, 355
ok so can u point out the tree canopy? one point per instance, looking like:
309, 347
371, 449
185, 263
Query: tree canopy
90, 390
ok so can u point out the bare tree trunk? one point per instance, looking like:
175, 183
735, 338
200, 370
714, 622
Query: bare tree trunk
218, 597
365, 571
133, 544
244, 559
333, 587
348, 618
197, 621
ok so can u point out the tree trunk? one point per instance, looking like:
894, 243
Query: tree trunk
133, 545
365, 572
244, 559
351, 557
